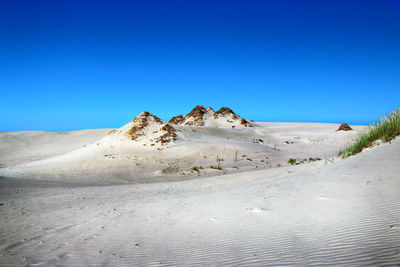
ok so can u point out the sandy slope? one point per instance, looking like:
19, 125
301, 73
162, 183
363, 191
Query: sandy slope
26, 146
345, 213
92, 156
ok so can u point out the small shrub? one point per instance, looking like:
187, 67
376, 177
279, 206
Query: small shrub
196, 168
249, 159
215, 167
297, 162
113, 131
170, 169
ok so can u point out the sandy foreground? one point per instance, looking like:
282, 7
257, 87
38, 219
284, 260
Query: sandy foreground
328, 212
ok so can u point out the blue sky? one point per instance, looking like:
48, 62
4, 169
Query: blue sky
68, 65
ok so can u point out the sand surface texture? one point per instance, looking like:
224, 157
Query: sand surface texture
333, 211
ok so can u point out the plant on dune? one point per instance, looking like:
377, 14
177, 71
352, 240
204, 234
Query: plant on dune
258, 140
386, 129
292, 161
215, 167
196, 168
170, 169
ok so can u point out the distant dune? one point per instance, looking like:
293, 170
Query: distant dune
147, 149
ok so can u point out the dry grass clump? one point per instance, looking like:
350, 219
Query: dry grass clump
169, 136
225, 111
177, 119
386, 129
197, 116
142, 121
344, 127
113, 131
170, 169
245, 123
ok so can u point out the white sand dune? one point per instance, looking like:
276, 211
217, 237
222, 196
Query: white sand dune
340, 213
94, 156
26, 146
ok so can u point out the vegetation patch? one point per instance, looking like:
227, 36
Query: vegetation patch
386, 129
113, 131
170, 169
196, 169
344, 127
292, 161
215, 167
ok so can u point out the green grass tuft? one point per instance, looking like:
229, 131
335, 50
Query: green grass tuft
196, 168
215, 167
386, 129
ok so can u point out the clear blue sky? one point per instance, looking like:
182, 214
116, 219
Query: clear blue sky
67, 65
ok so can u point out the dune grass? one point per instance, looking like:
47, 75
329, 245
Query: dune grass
386, 129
